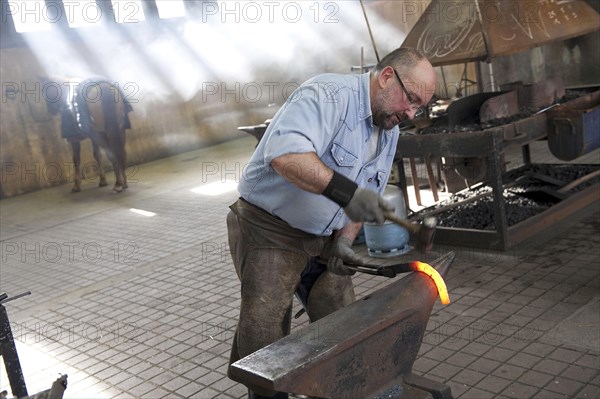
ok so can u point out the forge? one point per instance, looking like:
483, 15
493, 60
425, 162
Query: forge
501, 208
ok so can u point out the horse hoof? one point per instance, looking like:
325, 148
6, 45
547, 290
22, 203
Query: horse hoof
118, 189
102, 183
76, 190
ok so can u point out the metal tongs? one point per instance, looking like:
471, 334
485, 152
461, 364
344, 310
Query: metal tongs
390, 271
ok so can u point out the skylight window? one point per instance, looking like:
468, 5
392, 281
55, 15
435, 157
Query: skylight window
170, 8
30, 16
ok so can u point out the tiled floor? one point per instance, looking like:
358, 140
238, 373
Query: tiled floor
130, 305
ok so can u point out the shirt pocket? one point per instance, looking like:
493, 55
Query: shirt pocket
343, 156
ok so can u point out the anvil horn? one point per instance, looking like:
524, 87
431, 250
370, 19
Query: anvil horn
442, 264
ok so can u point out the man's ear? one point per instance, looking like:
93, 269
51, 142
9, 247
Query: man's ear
385, 75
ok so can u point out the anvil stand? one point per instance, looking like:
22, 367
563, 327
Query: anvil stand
9, 354
365, 350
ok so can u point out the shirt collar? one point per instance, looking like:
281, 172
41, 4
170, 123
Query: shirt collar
364, 97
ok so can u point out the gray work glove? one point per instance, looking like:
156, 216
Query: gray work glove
367, 206
338, 251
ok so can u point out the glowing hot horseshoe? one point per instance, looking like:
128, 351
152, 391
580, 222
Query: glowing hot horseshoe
435, 276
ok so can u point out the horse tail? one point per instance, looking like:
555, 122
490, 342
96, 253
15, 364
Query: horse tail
111, 99
113, 108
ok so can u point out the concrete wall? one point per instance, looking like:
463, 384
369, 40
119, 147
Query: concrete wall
33, 155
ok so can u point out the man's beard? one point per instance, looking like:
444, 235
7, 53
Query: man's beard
386, 120
381, 117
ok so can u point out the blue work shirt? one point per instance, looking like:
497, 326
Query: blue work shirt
330, 115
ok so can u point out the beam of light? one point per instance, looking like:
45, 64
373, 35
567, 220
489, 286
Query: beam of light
257, 41
125, 62
142, 212
217, 51
30, 16
53, 62
175, 61
128, 11
216, 188
82, 13
205, 52
435, 276
128, 60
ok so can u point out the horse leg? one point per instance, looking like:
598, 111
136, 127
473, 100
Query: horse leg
115, 160
118, 185
116, 142
76, 166
123, 156
114, 133
98, 158
121, 164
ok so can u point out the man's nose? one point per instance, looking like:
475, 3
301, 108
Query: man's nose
410, 113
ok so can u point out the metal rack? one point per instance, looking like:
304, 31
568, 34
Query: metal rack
490, 144
8, 351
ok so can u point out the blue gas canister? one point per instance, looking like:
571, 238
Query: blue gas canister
388, 239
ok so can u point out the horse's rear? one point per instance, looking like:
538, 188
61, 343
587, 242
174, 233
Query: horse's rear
106, 123
96, 109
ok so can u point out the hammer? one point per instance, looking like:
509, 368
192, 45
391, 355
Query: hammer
423, 233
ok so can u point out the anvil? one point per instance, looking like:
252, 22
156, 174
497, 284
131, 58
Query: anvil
364, 350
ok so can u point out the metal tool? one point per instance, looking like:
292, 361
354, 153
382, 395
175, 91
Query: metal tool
423, 233
390, 271
4, 297
8, 351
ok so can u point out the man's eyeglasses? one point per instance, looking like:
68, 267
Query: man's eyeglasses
413, 103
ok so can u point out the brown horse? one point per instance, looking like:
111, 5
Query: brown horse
96, 109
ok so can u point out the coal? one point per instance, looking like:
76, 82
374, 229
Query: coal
525, 195
561, 172
440, 124
479, 214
